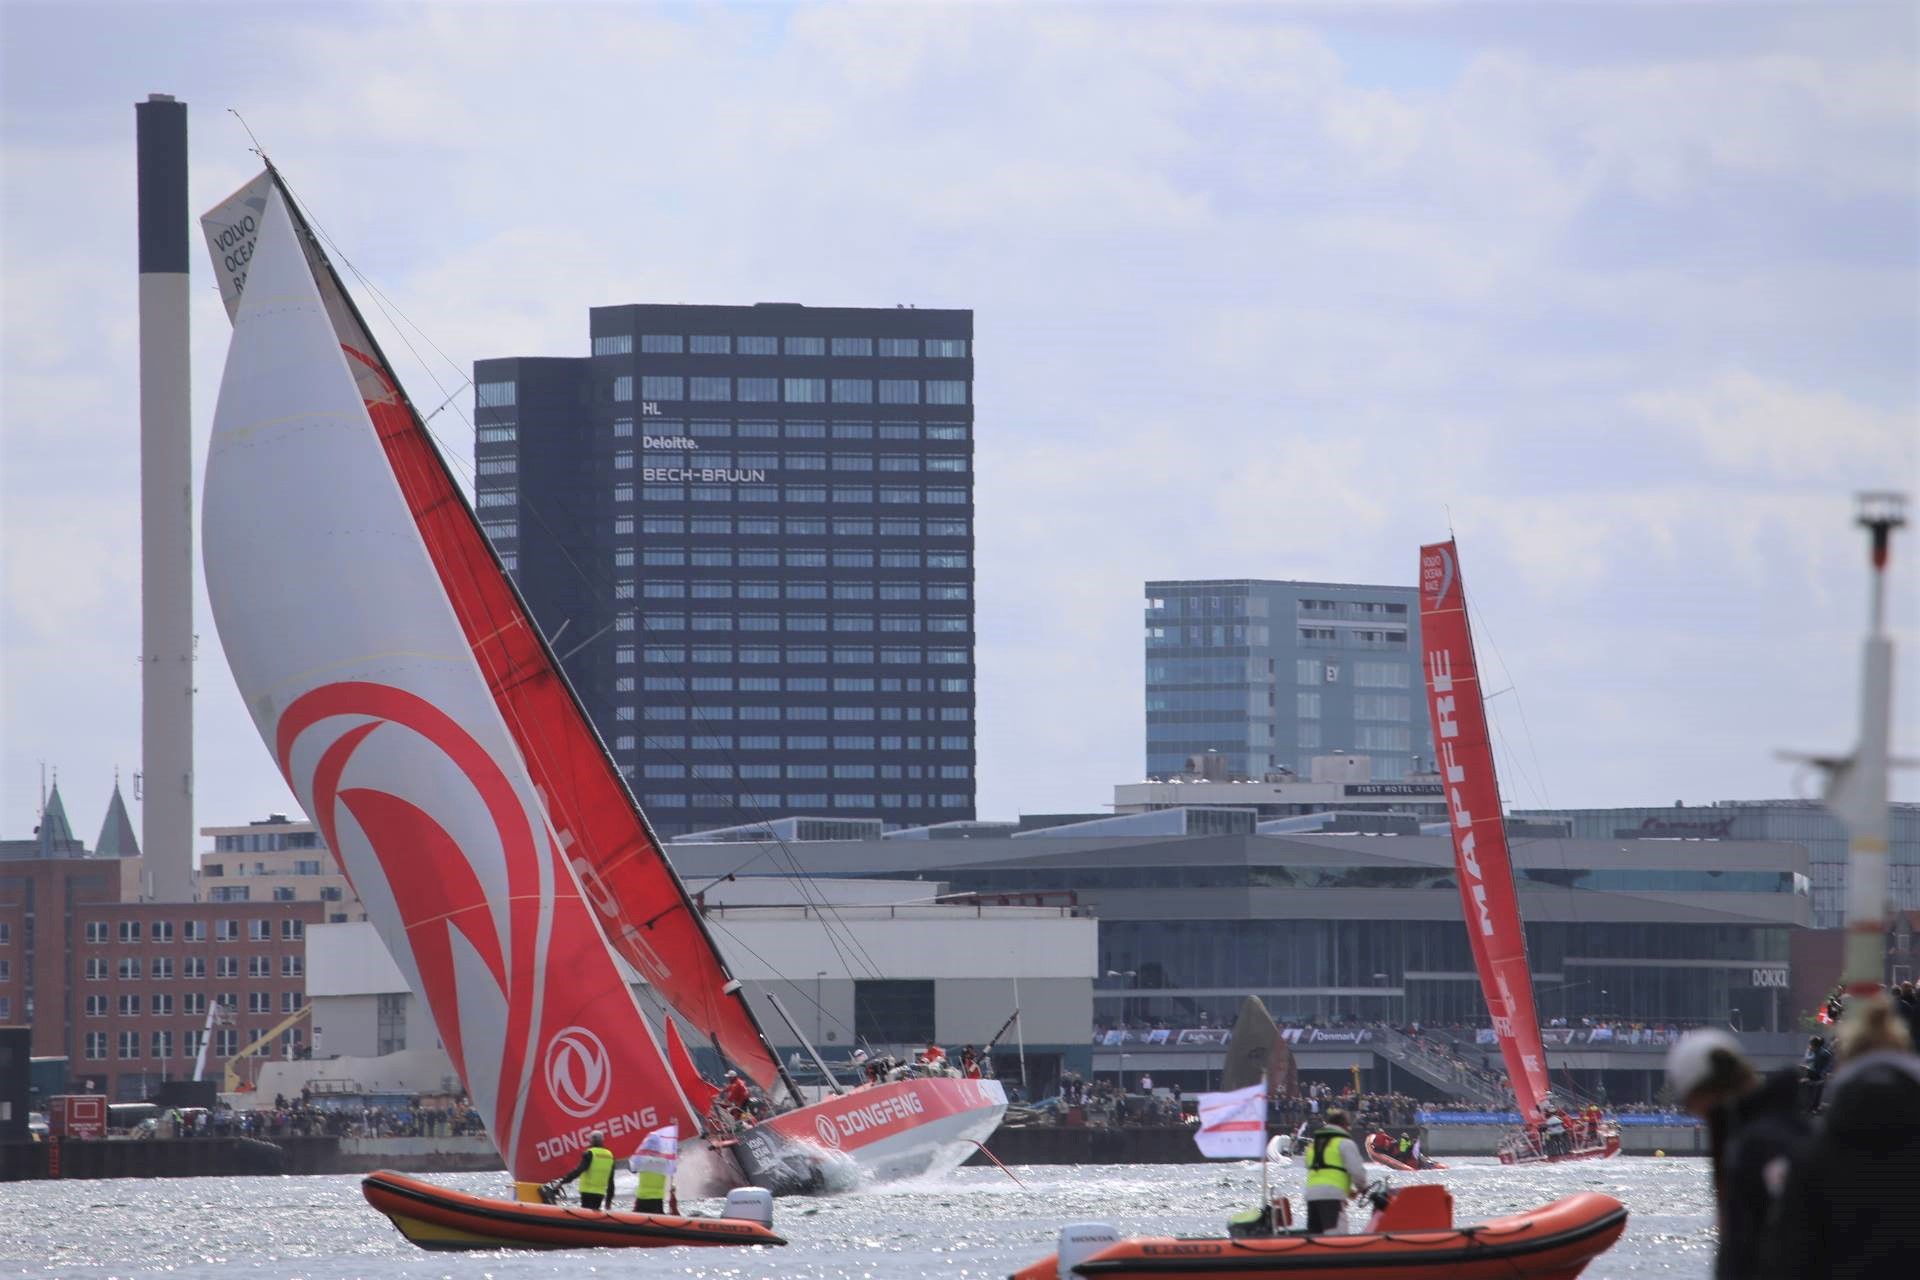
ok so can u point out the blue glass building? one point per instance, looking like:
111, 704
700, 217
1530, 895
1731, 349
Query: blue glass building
748, 532
1269, 675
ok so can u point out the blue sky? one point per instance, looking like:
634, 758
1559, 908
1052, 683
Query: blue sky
1627, 292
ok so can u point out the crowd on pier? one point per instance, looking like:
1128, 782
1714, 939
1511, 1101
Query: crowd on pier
308, 1117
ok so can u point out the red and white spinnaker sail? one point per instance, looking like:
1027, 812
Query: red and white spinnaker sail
380, 709
644, 909
1482, 860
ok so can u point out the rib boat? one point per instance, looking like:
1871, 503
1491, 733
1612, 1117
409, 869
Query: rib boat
440, 1219
416, 709
1413, 1236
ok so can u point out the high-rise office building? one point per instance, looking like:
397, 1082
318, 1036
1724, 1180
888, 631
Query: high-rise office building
748, 533
1269, 675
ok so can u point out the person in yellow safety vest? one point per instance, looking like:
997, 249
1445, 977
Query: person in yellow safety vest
595, 1171
651, 1196
1335, 1172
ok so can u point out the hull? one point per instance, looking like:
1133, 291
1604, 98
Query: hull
440, 1219
905, 1129
1554, 1242
1517, 1148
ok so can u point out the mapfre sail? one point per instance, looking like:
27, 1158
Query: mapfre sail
641, 903
1481, 858
365, 687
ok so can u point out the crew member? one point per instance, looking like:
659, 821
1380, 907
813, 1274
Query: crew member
1753, 1129
651, 1195
1594, 1119
1555, 1128
738, 1098
935, 1057
1335, 1172
595, 1171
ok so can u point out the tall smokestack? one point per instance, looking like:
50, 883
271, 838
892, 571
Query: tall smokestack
166, 502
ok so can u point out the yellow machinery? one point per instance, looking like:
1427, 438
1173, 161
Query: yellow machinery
232, 1082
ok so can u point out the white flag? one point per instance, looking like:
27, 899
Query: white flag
658, 1151
1233, 1126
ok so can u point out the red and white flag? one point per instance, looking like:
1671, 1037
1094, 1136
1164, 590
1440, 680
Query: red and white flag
1233, 1126
658, 1152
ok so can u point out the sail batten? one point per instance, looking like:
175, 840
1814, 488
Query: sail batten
1483, 862
348, 651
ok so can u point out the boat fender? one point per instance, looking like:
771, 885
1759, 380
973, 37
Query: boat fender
1081, 1241
751, 1204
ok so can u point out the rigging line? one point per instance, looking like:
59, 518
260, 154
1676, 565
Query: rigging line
794, 983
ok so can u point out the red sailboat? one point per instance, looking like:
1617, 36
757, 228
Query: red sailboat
417, 711
1483, 864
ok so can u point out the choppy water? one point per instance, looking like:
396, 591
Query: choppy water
974, 1224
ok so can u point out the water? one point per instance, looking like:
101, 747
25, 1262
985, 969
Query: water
973, 1224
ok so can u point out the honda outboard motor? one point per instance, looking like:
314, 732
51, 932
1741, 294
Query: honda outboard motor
1081, 1241
750, 1204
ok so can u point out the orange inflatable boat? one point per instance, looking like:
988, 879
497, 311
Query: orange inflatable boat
1382, 1150
1413, 1236
437, 1218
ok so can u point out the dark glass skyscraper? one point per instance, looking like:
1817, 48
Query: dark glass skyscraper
748, 532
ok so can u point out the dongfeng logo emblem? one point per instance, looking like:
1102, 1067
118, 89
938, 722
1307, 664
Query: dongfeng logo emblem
823, 1125
579, 1074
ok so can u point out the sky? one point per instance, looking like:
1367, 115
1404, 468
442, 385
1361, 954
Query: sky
1623, 295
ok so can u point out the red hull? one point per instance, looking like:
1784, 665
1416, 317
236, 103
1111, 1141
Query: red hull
1554, 1242
1519, 1151
437, 1218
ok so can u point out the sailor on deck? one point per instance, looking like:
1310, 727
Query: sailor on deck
1335, 1173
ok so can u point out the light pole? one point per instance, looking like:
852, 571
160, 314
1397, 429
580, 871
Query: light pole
819, 980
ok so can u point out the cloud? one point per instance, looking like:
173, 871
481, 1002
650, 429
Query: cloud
1253, 297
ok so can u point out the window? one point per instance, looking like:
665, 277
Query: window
623, 388
195, 967
291, 1002
129, 969
259, 930
806, 430
899, 391
1380, 675
710, 344
96, 931
162, 968
129, 931
259, 1002
1308, 733
259, 966
495, 395
1307, 706
226, 967
898, 497
497, 434
1380, 706
96, 1049
759, 390
892, 1011
900, 346
759, 346
853, 346
1381, 737
806, 390
661, 344
162, 1045
946, 347
899, 462
946, 495
96, 1006
853, 391
712, 388
658, 386
6, 932
946, 392
194, 1004
163, 1004
806, 346
613, 344
947, 462
946, 431
129, 1045
129, 1006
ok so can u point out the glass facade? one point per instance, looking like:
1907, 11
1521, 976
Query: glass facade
764, 569
1795, 821
1270, 674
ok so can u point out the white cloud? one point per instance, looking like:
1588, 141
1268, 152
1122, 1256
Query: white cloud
1246, 306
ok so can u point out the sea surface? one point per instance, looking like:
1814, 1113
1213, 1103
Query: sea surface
974, 1223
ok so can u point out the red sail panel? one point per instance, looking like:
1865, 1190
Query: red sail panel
699, 1090
642, 906
1482, 861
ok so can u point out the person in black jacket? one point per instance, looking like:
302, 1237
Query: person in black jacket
1754, 1127
1851, 1210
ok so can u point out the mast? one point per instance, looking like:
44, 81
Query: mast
522, 667
1483, 863
1857, 785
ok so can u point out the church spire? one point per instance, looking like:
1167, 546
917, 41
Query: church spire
55, 832
116, 833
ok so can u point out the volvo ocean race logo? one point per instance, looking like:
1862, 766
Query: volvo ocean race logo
823, 1125
1436, 576
579, 1074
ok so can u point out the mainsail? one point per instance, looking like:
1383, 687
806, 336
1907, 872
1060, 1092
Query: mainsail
361, 681
1481, 858
640, 901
